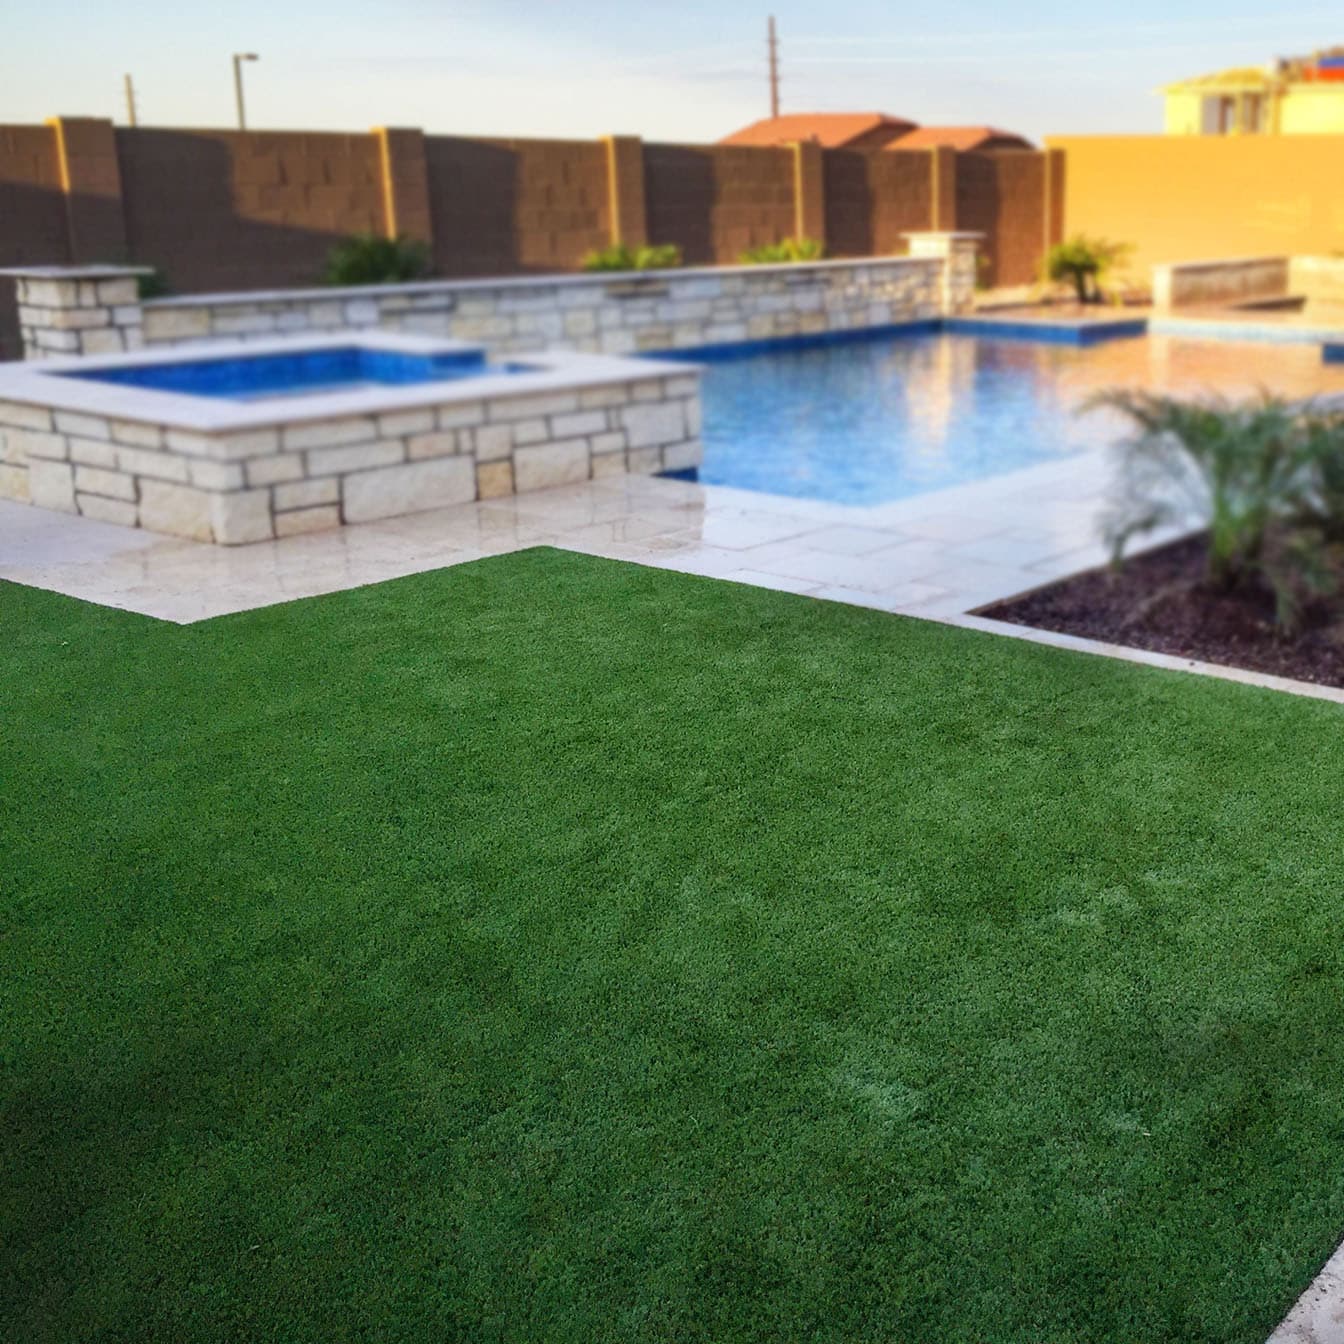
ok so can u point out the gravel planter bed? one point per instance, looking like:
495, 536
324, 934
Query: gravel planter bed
1157, 602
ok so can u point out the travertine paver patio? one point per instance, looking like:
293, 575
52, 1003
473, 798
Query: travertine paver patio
938, 554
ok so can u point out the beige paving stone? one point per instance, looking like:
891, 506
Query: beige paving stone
408, 488
18, 445
303, 494
113, 484
644, 461
654, 423
51, 485
494, 479
14, 483
212, 475
180, 510
328, 433
119, 511
248, 443
92, 452
241, 516
551, 464
360, 457
86, 426
493, 442
23, 416
160, 466
274, 468
442, 443
307, 520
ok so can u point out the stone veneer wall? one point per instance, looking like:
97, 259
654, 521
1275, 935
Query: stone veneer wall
253, 485
85, 311
610, 315
1240, 280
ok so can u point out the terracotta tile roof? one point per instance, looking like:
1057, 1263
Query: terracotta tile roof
833, 130
961, 137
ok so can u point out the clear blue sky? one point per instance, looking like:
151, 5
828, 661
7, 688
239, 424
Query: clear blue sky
690, 71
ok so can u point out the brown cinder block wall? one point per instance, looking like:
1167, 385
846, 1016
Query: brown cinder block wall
503, 206
1003, 194
245, 210
221, 209
717, 201
32, 215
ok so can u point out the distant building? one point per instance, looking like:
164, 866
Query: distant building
1302, 95
871, 130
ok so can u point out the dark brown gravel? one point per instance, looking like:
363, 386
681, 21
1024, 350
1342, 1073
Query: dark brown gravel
1158, 601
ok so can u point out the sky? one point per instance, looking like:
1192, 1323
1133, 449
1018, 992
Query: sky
690, 71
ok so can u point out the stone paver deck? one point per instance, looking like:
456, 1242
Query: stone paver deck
938, 554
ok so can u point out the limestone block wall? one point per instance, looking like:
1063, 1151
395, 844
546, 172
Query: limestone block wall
1320, 281
1236, 280
616, 315
305, 475
82, 310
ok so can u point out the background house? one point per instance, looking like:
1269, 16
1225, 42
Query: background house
1300, 95
871, 130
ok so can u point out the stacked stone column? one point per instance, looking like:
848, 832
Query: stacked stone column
78, 310
958, 252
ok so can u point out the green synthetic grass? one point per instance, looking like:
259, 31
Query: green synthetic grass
552, 949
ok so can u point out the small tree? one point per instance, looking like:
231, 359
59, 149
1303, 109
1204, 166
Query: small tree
619, 257
1264, 476
1085, 263
370, 259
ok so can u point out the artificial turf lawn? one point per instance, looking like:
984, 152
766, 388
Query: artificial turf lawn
553, 949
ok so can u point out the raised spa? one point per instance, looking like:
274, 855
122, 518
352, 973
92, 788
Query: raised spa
241, 442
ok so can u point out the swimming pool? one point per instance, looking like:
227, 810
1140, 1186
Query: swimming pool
865, 422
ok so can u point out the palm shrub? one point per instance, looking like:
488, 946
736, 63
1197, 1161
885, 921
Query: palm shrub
1321, 504
152, 285
787, 250
1085, 263
1265, 476
619, 257
371, 259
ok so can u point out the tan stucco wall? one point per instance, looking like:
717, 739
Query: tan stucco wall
1196, 198
1312, 109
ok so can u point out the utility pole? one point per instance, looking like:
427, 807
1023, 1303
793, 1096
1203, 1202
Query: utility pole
238, 59
130, 100
773, 42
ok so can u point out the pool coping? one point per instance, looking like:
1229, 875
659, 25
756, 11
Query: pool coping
32, 382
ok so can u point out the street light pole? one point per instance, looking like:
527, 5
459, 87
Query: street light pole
238, 58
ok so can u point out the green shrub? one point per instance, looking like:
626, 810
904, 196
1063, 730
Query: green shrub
152, 286
1265, 476
788, 250
619, 257
1085, 262
370, 259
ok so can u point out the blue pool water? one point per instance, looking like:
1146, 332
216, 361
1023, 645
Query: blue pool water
866, 422
344, 368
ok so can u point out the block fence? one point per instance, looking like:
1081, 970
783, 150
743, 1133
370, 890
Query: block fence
230, 210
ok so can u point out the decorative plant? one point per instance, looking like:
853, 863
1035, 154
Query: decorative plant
152, 286
619, 257
787, 250
1265, 476
1085, 263
1321, 505
370, 259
